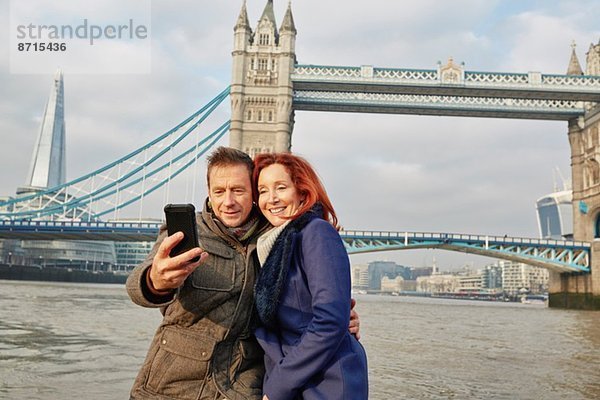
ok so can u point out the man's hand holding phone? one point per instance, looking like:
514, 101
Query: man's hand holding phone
179, 254
168, 273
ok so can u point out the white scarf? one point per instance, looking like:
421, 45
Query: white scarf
265, 242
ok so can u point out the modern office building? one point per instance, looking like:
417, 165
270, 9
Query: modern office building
491, 277
90, 255
416, 272
360, 276
130, 254
555, 215
379, 269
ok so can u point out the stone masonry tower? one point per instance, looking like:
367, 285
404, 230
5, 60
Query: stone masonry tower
583, 290
262, 117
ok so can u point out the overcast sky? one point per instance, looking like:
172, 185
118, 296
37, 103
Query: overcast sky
383, 172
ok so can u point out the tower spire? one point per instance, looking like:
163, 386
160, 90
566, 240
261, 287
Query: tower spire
288, 20
242, 21
574, 66
48, 161
268, 12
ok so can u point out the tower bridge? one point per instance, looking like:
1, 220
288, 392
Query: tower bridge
268, 86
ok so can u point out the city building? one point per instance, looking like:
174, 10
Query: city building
416, 272
90, 255
370, 277
130, 254
471, 282
377, 270
441, 283
491, 277
360, 277
392, 285
519, 278
48, 162
555, 215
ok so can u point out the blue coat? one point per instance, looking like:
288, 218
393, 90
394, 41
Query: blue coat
303, 298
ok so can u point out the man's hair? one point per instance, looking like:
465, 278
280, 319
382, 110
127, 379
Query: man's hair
226, 157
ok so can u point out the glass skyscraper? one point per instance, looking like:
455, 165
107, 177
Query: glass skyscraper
555, 215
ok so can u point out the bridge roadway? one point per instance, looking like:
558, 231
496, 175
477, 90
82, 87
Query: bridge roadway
75, 230
430, 92
557, 255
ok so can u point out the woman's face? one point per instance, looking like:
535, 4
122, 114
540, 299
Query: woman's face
277, 194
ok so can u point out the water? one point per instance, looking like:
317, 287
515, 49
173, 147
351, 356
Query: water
60, 341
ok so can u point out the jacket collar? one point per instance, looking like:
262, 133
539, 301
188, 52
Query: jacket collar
221, 230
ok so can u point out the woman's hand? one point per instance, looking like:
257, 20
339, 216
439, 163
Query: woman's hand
354, 326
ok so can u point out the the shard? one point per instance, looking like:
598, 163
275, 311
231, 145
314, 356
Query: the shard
48, 162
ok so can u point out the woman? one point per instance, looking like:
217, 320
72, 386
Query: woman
303, 289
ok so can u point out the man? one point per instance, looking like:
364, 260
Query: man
204, 348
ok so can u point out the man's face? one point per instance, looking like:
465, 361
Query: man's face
230, 193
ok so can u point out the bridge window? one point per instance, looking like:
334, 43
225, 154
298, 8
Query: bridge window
263, 64
595, 172
259, 116
270, 116
272, 65
597, 226
249, 115
263, 39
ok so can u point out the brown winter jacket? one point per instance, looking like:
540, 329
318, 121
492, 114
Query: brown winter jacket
204, 348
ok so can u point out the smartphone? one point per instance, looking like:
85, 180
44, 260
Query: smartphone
182, 218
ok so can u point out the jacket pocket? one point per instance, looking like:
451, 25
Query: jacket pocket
218, 272
181, 363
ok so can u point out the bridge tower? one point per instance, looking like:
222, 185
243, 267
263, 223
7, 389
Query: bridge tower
583, 290
262, 117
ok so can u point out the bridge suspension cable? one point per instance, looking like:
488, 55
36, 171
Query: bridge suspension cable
124, 181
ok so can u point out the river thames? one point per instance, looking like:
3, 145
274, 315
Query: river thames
61, 341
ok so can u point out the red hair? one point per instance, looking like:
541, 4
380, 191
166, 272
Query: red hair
305, 179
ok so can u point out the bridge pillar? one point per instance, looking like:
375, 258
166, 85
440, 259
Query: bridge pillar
578, 290
261, 90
